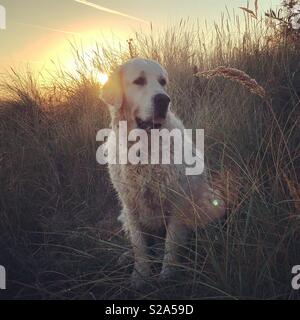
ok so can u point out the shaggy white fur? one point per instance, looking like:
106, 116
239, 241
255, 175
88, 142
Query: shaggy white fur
156, 199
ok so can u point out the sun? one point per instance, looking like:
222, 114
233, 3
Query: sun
72, 66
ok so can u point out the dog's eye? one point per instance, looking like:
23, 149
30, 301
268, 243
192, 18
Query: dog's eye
162, 82
141, 81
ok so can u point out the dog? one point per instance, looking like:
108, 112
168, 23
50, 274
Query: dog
156, 199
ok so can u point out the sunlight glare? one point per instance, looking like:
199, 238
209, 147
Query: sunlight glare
102, 78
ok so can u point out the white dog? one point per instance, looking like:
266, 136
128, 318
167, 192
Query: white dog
156, 199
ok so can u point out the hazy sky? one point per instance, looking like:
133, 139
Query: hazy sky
39, 29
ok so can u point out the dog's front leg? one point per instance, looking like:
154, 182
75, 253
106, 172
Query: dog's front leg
176, 236
142, 266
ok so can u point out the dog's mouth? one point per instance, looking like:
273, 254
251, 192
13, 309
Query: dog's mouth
146, 125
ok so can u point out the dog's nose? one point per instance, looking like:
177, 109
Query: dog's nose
161, 104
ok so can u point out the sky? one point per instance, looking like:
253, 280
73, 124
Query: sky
40, 30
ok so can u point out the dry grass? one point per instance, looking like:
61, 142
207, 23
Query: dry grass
58, 230
235, 75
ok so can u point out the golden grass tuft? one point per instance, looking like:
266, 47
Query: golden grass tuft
235, 75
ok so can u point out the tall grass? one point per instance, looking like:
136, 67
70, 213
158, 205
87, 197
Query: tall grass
59, 235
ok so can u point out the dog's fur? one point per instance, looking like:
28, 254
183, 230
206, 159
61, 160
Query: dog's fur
156, 199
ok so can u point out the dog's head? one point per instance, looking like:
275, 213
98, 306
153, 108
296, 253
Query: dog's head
138, 89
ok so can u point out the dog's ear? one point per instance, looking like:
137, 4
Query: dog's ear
112, 92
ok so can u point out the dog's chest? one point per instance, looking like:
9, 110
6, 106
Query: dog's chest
146, 190
155, 185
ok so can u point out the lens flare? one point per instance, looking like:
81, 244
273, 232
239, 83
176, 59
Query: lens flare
215, 202
102, 78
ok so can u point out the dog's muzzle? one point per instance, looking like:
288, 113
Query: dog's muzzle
146, 125
160, 108
161, 105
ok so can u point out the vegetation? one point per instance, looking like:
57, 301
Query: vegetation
59, 235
